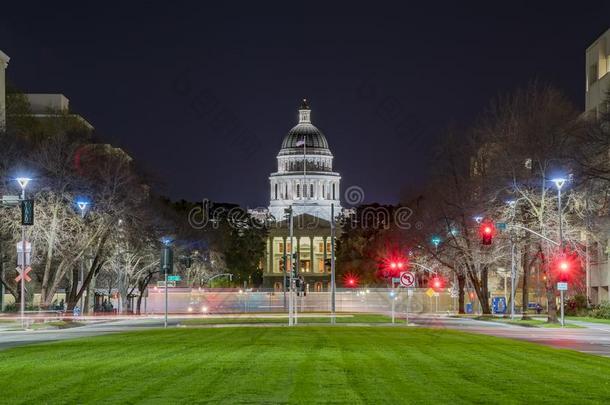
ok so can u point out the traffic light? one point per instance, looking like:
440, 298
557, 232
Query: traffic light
295, 267
27, 212
397, 265
167, 260
437, 283
487, 231
563, 267
392, 266
351, 280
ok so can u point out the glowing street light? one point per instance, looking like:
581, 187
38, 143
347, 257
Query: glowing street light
82, 206
559, 182
23, 182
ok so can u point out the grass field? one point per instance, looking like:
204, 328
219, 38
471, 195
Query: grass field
589, 319
531, 323
356, 318
316, 364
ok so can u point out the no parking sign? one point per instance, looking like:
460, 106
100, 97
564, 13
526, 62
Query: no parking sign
407, 279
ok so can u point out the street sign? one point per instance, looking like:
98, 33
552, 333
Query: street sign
410, 292
10, 199
407, 279
562, 286
430, 292
174, 278
28, 252
501, 226
27, 278
498, 305
395, 280
161, 284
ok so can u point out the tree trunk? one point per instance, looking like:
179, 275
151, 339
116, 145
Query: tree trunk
44, 288
525, 290
480, 288
551, 300
71, 299
485, 307
461, 277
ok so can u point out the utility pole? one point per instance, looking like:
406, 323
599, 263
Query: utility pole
332, 264
23, 182
292, 264
167, 264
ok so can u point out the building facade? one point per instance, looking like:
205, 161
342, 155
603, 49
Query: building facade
3, 65
304, 181
597, 74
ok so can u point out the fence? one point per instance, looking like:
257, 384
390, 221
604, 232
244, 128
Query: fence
210, 301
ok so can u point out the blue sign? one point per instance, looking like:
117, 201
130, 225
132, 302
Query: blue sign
498, 305
469, 308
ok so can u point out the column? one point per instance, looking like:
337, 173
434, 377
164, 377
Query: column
324, 250
311, 255
298, 238
270, 261
285, 258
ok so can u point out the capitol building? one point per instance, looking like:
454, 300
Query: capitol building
305, 181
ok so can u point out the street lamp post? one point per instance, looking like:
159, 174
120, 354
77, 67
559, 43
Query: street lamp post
559, 183
82, 206
23, 182
332, 264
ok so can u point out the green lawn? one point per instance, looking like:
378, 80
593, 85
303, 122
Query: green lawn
588, 319
317, 364
356, 318
532, 323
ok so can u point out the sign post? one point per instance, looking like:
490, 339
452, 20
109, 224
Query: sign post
167, 264
407, 280
562, 286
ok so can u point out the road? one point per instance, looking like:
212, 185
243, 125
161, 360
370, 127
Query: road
12, 338
592, 338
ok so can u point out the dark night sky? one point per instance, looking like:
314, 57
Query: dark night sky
203, 94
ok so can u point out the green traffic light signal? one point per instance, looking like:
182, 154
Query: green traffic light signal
27, 212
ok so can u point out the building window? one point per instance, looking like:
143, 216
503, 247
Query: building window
298, 190
334, 194
321, 247
286, 191
276, 191
323, 191
311, 190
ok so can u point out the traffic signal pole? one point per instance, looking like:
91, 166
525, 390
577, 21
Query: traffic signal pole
291, 279
24, 255
165, 321
332, 264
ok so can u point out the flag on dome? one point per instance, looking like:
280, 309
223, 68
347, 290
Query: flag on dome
301, 142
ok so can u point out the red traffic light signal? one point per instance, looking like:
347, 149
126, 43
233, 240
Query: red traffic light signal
351, 280
563, 267
487, 232
437, 283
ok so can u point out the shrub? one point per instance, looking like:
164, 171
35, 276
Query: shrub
602, 310
576, 305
